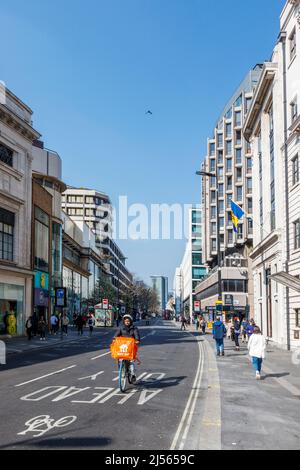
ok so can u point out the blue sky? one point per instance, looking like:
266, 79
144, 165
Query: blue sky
90, 69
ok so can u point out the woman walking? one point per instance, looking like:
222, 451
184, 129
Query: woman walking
42, 325
257, 350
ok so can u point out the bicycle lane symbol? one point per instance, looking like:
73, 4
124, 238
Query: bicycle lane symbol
43, 424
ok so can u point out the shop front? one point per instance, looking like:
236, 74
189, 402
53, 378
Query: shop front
41, 294
12, 316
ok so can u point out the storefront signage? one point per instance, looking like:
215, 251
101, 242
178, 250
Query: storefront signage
41, 298
60, 297
41, 280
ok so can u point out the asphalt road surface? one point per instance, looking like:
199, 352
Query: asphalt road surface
67, 396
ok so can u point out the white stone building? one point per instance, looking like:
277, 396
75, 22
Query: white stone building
16, 137
273, 127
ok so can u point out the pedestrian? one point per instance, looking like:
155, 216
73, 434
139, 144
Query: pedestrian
229, 329
250, 329
197, 323
79, 323
54, 322
65, 324
42, 326
257, 350
91, 323
29, 327
244, 330
183, 323
237, 332
219, 331
203, 326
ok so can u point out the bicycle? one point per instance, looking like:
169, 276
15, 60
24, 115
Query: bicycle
124, 374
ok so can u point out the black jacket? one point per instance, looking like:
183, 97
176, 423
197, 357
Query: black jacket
131, 332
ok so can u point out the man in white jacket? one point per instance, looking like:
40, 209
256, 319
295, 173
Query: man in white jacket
257, 350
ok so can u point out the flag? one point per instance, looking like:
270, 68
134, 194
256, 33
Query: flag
236, 214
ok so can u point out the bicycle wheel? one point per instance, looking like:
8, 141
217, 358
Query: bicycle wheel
122, 375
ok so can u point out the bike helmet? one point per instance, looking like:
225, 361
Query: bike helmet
129, 317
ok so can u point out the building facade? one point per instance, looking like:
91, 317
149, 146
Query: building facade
192, 269
16, 274
273, 128
160, 286
95, 209
229, 158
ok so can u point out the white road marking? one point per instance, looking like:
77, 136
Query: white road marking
101, 355
92, 377
44, 376
189, 404
147, 395
36, 424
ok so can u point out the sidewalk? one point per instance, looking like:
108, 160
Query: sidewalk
21, 344
279, 365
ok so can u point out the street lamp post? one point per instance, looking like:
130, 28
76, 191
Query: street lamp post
213, 175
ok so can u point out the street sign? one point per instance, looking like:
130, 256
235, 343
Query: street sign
197, 306
219, 305
105, 304
123, 310
60, 297
228, 299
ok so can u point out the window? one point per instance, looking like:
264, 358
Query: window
239, 193
229, 147
293, 46
41, 241
228, 114
297, 313
214, 245
221, 190
220, 173
6, 155
238, 138
250, 226
90, 212
222, 222
7, 222
213, 182
75, 199
238, 118
297, 234
89, 200
240, 232
238, 101
229, 199
197, 259
74, 211
229, 165
249, 185
248, 104
295, 163
294, 111
248, 147
239, 175
213, 197
212, 166
196, 217
228, 130
199, 273
229, 183
213, 212
220, 156
196, 245
212, 149
213, 227
230, 237
250, 206
221, 207
196, 231
249, 164
238, 156
220, 140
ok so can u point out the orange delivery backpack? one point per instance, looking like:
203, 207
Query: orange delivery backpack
124, 348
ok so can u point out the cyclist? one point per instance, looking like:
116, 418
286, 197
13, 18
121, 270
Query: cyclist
128, 330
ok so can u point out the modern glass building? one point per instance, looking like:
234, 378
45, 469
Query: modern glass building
160, 285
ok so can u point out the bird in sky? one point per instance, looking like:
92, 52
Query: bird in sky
149, 112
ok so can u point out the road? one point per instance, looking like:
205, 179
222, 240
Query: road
67, 397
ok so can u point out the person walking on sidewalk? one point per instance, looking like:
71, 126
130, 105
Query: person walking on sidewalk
257, 350
65, 324
80, 323
237, 332
54, 322
183, 323
203, 325
42, 326
91, 323
250, 329
244, 331
219, 331
29, 327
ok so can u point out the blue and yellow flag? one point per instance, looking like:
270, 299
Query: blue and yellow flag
236, 214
